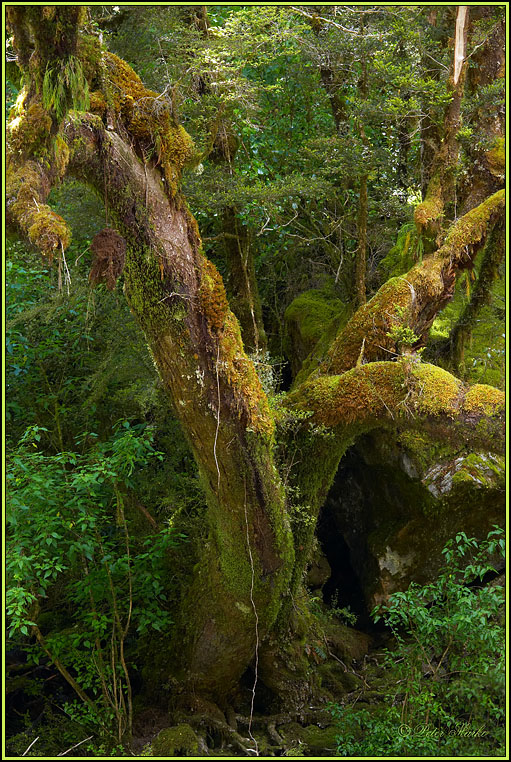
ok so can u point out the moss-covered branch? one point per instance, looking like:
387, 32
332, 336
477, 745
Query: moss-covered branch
405, 394
45, 39
413, 300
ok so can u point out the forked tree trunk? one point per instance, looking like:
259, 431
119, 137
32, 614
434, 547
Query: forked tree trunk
242, 597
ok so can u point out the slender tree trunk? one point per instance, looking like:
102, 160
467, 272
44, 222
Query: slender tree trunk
241, 281
439, 200
361, 255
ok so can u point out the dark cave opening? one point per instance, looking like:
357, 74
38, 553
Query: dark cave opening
343, 588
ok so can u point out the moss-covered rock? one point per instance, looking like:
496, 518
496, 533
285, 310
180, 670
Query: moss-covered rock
178, 741
396, 502
313, 739
309, 317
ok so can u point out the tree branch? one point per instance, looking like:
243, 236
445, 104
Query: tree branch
413, 300
405, 394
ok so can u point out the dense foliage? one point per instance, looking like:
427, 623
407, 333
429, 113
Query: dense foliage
444, 687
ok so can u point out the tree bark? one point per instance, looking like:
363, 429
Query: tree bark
440, 190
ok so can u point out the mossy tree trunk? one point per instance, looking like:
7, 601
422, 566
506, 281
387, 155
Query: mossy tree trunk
440, 195
485, 148
361, 255
243, 593
241, 280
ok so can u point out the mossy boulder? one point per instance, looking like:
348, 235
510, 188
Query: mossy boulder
309, 317
396, 501
178, 741
347, 643
310, 740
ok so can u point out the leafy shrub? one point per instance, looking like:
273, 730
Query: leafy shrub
445, 676
70, 547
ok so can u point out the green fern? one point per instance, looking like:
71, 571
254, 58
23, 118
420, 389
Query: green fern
65, 88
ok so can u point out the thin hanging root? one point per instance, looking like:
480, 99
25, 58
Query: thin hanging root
67, 274
256, 665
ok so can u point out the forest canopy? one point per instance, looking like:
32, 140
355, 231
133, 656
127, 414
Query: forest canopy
255, 348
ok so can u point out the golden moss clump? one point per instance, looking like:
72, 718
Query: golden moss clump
470, 229
97, 103
30, 130
48, 231
243, 379
481, 398
148, 117
213, 297
437, 390
62, 154
45, 229
48, 12
362, 393
22, 187
432, 207
496, 157
176, 149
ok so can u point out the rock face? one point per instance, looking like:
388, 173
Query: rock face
396, 502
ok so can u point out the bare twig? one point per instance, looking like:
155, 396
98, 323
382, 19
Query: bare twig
28, 749
74, 747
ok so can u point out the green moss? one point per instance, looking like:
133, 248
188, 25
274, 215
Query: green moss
422, 449
483, 359
481, 398
470, 229
179, 741
311, 312
481, 470
312, 321
496, 157
404, 254
90, 52
437, 390
313, 739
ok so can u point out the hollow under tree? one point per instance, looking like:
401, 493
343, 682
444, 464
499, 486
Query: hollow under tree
84, 112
